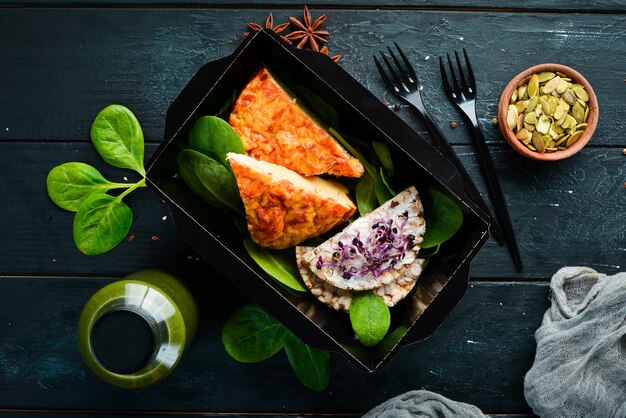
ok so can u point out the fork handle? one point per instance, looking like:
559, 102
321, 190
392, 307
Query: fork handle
470, 188
497, 197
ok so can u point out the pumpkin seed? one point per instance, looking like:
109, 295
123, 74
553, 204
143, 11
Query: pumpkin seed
573, 138
586, 113
581, 126
538, 142
545, 106
581, 93
531, 118
562, 140
523, 81
559, 112
511, 117
533, 86
551, 85
521, 106
578, 112
520, 122
531, 147
543, 125
532, 103
582, 103
529, 127
545, 76
522, 134
553, 102
560, 74
562, 86
521, 92
513, 97
569, 97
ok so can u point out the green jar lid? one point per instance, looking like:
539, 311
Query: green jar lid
132, 333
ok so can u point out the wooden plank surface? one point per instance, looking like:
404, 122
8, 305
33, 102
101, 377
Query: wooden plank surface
568, 213
61, 66
479, 355
602, 6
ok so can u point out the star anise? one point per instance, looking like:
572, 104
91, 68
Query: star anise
269, 24
325, 51
308, 31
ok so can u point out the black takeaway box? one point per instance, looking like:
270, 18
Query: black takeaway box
362, 115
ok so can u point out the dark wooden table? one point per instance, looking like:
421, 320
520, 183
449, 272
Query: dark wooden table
61, 62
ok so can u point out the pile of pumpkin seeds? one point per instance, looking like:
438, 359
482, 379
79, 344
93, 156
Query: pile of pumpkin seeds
548, 112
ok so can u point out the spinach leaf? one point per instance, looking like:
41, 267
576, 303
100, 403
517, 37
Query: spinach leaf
382, 151
117, 136
443, 218
69, 184
382, 193
383, 177
251, 334
365, 196
310, 365
102, 222
279, 265
370, 318
325, 112
209, 180
215, 138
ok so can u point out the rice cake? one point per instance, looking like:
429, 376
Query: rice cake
282, 207
274, 128
340, 299
375, 249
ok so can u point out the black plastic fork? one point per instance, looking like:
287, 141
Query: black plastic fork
463, 95
403, 82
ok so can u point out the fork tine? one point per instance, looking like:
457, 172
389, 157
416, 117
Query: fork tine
383, 75
406, 62
391, 70
444, 78
470, 72
455, 85
406, 77
464, 85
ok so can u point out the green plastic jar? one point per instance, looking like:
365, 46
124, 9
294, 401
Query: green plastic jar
133, 332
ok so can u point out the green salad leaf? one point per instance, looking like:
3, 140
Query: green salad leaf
69, 184
210, 180
365, 195
384, 155
118, 138
370, 318
102, 222
278, 264
443, 219
381, 191
215, 138
251, 334
310, 365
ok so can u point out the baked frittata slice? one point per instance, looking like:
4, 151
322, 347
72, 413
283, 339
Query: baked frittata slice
284, 208
275, 129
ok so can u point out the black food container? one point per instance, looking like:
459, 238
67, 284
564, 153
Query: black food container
361, 115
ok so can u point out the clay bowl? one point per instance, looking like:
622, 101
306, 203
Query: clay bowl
517, 145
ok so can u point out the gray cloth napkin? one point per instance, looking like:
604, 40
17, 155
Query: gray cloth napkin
423, 404
580, 365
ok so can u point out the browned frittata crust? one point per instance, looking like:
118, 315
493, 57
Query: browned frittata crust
274, 129
281, 215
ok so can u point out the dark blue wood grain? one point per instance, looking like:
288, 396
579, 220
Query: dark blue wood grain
479, 355
61, 66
